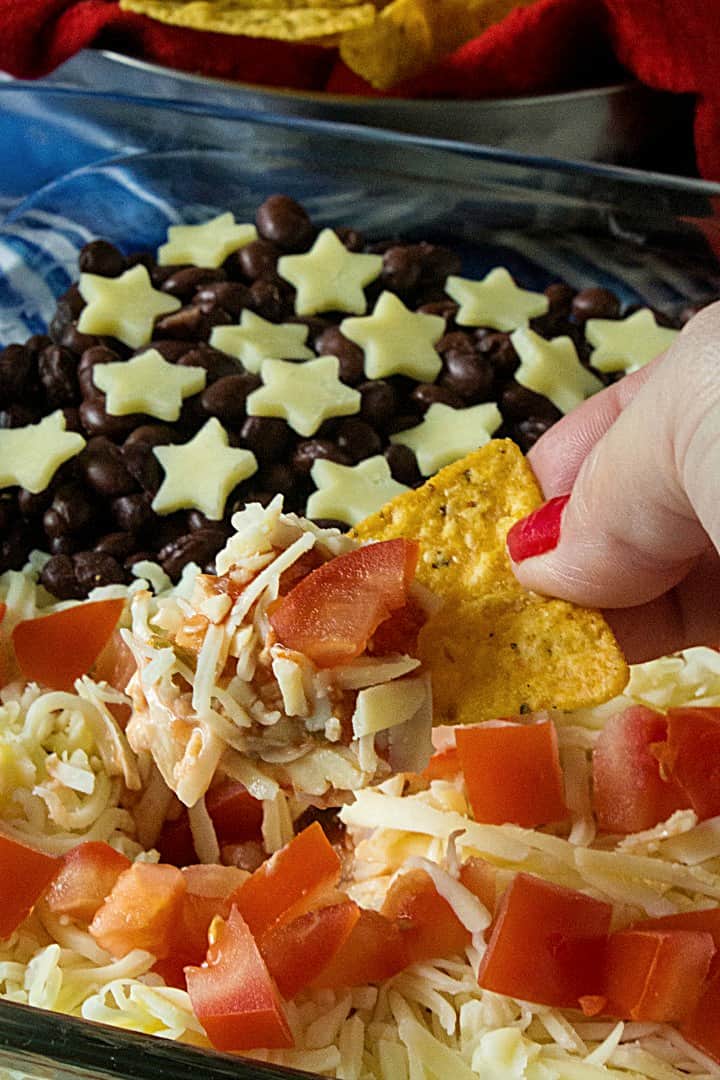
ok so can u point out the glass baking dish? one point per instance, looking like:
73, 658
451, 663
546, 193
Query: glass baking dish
651, 239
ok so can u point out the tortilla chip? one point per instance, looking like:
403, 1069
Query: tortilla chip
409, 35
494, 649
281, 20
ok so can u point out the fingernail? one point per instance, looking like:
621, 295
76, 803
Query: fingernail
538, 532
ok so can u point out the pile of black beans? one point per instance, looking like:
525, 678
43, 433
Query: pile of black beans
96, 519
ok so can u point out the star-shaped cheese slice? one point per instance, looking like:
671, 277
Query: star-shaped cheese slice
147, 384
30, 456
125, 307
447, 434
553, 368
495, 301
200, 474
303, 394
328, 277
256, 339
627, 344
350, 493
206, 245
397, 341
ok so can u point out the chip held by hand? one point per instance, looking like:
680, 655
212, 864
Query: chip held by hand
493, 648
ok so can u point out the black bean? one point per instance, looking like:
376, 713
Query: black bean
169, 349
117, 544
270, 300
216, 363
499, 350
426, 394
285, 222
94, 568
77, 343
185, 282
190, 323
107, 474
268, 438
519, 403
448, 309
308, 451
31, 504
67, 544
226, 397
14, 548
132, 512
278, 478
332, 342
96, 421
98, 354
403, 464
74, 509
401, 269
198, 547
257, 260
57, 368
378, 402
58, 577
351, 238
101, 257
560, 297
16, 367
358, 440
231, 296
595, 303
151, 434
15, 416
141, 463
468, 375
529, 431
457, 341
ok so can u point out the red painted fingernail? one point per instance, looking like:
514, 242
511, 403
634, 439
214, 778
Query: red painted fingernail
538, 532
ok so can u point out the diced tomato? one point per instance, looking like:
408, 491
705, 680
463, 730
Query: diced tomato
234, 996
443, 765
480, 878
236, 815
630, 793
142, 911
55, 650
208, 894
430, 926
547, 944
691, 757
290, 882
374, 951
86, 878
399, 633
116, 664
298, 951
334, 611
656, 975
707, 921
512, 773
25, 874
702, 1026
5, 664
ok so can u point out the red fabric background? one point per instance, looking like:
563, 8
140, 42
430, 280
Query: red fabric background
553, 45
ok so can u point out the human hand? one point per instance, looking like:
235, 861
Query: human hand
640, 535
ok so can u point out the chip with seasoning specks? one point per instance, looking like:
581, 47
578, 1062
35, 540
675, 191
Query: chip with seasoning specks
494, 649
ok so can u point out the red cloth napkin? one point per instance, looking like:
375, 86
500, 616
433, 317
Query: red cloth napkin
553, 45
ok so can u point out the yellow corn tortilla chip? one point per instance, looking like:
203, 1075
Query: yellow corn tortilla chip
281, 20
493, 648
409, 35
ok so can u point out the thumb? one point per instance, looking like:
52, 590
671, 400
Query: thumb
644, 506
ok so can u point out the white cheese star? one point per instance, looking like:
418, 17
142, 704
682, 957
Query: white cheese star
256, 339
206, 245
125, 307
350, 493
31, 455
147, 384
328, 277
553, 368
447, 434
397, 341
303, 394
495, 301
200, 474
627, 344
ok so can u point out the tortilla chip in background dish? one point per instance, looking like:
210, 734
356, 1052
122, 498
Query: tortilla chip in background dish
410, 35
319, 21
493, 648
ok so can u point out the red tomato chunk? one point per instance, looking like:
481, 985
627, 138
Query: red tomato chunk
25, 874
630, 794
142, 911
235, 814
512, 773
374, 951
55, 650
86, 878
656, 975
430, 926
289, 883
333, 612
692, 757
234, 996
547, 944
702, 1026
297, 952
